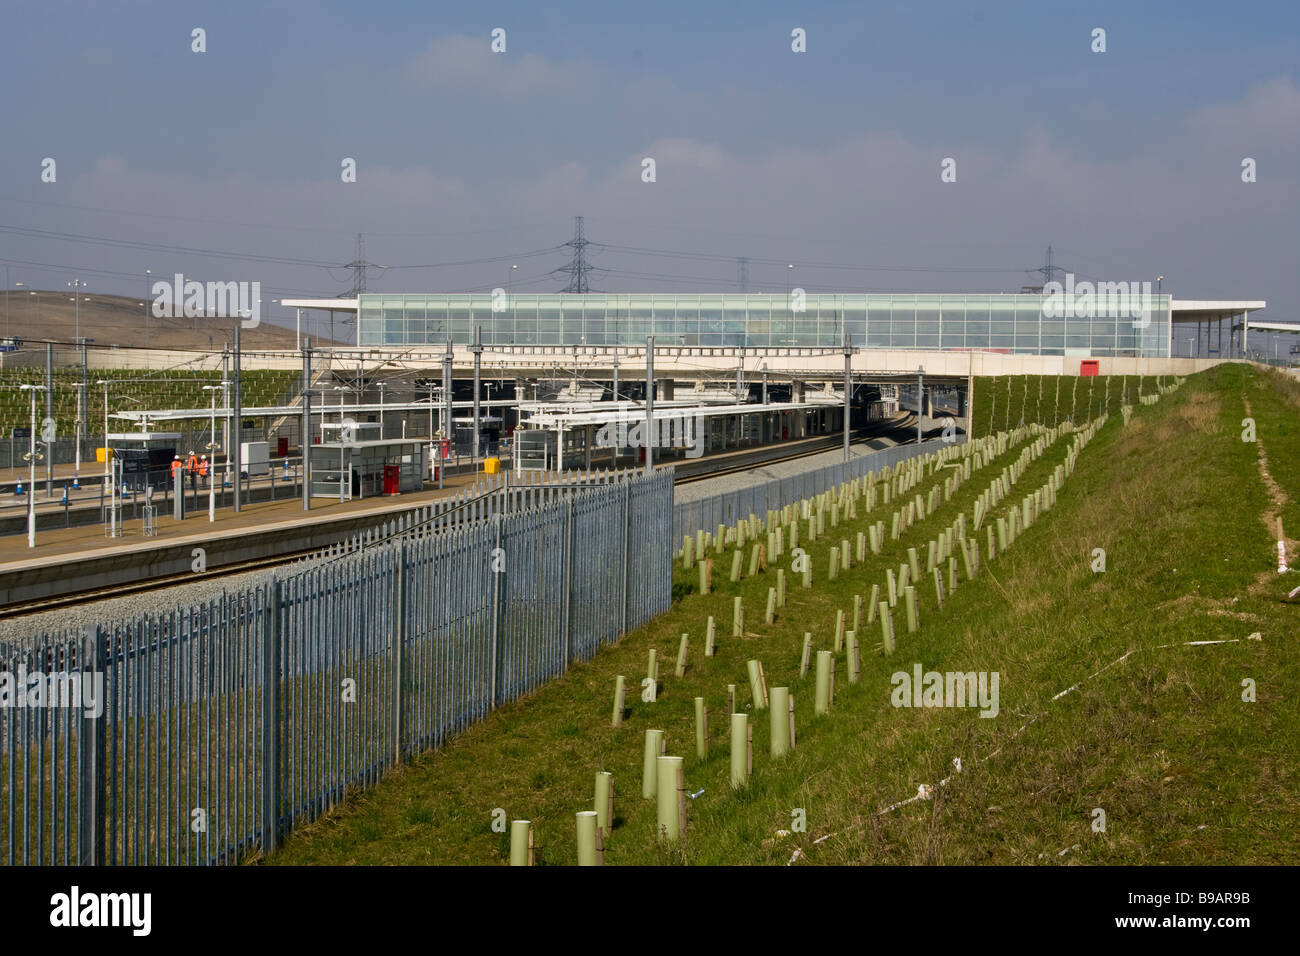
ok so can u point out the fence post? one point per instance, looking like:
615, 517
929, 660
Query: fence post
627, 546
271, 779
497, 595
90, 752
399, 653
568, 583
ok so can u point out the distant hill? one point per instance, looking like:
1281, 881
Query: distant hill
118, 320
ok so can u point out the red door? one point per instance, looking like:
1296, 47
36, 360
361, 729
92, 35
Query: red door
392, 479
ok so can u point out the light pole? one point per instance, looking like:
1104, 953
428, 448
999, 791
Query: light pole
342, 461
31, 460
148, 292
1159, 279
17, 285
75, 285
789, 275
104, 382
212, 448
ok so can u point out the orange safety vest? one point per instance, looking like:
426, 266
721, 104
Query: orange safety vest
176, 470
203, 468
192, 464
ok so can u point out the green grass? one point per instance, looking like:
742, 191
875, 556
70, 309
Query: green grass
1005, 401
1186, 772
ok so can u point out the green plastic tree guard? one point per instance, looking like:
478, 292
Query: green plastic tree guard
741, 756
779, 720
620, 687
654, 746
588, 839
822, 702
521, 843
701, 729
604, 801
757, 684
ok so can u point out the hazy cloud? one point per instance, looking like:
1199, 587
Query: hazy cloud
466, 65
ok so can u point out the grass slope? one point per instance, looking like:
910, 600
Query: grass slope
1185, 770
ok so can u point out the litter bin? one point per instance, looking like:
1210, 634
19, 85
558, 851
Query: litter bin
392, 479
491, 466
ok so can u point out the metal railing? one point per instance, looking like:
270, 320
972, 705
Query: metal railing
202, 734
730, 506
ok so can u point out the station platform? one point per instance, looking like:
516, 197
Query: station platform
66, 560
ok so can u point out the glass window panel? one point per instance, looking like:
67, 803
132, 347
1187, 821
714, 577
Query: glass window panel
853, 316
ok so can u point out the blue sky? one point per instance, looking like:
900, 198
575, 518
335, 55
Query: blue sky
1127, 162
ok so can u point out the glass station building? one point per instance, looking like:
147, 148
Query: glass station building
1006, 323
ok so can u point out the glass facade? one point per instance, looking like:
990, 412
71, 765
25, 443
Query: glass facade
1007, 323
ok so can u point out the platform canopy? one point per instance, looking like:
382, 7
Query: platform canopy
1213, 310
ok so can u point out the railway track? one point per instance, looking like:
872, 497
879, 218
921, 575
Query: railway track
62, 602
28, 608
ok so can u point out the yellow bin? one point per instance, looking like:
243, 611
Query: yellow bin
491, 465
102, 453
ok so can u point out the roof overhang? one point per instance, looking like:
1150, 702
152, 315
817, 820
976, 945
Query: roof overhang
1212, 310
331, 305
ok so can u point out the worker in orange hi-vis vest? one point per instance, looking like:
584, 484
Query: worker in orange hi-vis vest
203, 469
192, 466
178, 471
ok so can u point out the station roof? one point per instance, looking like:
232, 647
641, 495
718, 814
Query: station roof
636, 413
1292, 328
373, 443
332, 305
1212, 310
271, 411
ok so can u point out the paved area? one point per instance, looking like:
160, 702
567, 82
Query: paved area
254, 516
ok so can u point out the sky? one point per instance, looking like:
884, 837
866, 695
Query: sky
227, 164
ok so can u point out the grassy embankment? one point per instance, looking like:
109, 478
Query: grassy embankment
1185, 770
